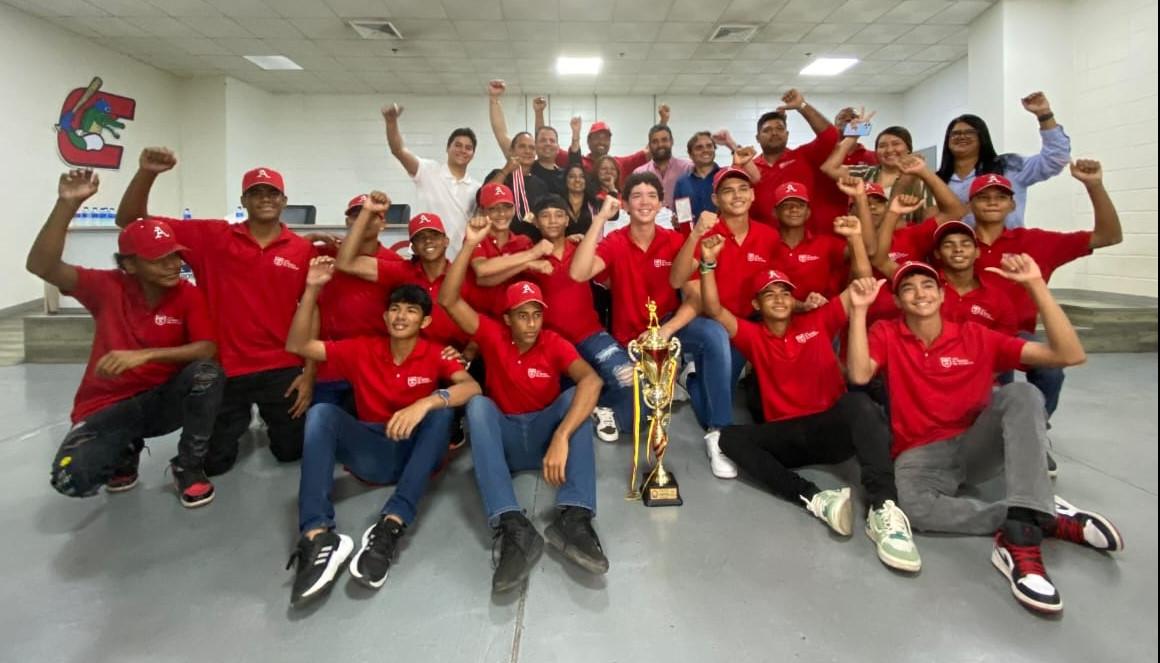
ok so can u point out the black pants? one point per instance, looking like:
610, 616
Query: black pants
266, 389
854, 426
109, 438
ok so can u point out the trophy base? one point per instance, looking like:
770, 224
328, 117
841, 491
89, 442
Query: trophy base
667, 495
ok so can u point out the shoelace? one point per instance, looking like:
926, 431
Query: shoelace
896, 520
605, 419
508, 536
585, 525
1069, 529
382, 541
1028, 560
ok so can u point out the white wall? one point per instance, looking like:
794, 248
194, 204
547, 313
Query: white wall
928, 106
39, 65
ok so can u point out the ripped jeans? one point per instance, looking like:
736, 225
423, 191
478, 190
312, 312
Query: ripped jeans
95, 447
611, 361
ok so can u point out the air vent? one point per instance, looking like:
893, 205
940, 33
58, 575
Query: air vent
373, 28
733, 33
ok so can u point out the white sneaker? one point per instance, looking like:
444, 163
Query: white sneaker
682, 394
833, 508
606, 428
722, 467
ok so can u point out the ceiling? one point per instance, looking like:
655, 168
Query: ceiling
455, 46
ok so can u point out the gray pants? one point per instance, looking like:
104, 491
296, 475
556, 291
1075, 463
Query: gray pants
1009, 436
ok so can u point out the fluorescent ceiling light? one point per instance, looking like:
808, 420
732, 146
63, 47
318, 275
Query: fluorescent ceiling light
566, 66
274, 62
828, 66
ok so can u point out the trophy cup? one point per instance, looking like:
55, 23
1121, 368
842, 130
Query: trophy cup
654, 375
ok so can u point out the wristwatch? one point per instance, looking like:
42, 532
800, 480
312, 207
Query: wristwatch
445, 395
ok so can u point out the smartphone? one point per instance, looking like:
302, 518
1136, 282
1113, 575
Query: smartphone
857, 129
684, 210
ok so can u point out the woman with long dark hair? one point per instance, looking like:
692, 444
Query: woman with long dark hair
581, 200
968, 151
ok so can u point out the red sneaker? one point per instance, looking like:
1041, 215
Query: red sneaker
1023, 568
1087, 528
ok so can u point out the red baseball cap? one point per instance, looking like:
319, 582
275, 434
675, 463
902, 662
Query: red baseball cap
357, 201
987, 181
768, 277
911, 267
522, 292
725, 173
424, 221
599, 125
495, 194
263, 175
791, 190
149, 239
875, 189
952, 228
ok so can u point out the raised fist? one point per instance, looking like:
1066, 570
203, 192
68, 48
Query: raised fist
496, 87
904, 203
1037, 104
377, 202
664, 112
744, 155
1088, 171
392, 111
78, 185
792, 100
321, 271
852, 186
711, 247
847, 226
157, 159
706, 221
540, 104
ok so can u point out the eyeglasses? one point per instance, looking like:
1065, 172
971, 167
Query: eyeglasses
964, 133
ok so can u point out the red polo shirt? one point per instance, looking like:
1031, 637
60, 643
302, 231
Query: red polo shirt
252, 291
493, 296
570, 311
936, 393
798, 373
349, 307
1050, 249
738, 263
626, 164
123, 320
912, 242
636, 275
860, 156
522, 383
987, 305
442, 330
816, 264
801, 164
382, 387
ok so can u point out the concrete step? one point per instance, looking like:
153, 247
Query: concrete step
58, 339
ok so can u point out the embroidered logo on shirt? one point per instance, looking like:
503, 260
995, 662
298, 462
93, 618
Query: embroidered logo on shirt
981, 312
753, 257
949, 362
806, 257
279, 261
805, 336
898, 255
661, 262
783, 164
416, 380
159, 233
535, 373
162, 320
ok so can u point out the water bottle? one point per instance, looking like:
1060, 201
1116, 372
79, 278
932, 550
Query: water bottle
108, 218
186, 215
239, 214
84, 216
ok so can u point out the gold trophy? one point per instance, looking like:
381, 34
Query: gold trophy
654, 375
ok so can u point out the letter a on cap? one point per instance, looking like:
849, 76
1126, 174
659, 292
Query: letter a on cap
158, 233
263, 174
790, 188
527, 289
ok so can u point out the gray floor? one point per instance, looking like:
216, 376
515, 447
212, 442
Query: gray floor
734, 575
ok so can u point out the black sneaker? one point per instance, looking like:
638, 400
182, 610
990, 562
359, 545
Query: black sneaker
520, 547
319, 563
373, 560
125, 474
1022, 564
572, 534
193, 486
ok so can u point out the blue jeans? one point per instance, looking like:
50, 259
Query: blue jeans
333, 436
335, 392
611, 361
505, 443
1049, 381
711, 387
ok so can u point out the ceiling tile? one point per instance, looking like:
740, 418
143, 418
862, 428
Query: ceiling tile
316, 63
325, 28
806, 11
634, 31
622, 66
125, 8
959, 38
635, 10
880, 33
50, 8
808, 50
243, 46
492, 50
141, 45
295, 47
697, 10
833, 32
434, 49
915, 11
226, 62
196, 45
271, 27
672, 31
940, 53
895, 52
77, 24
542, 67
717, 51
587, 31
703, 66
415, 9
547, 31
862, 11
110, 26
530, 10
349, 47
249, 8
410, 65
778, 31
482, 30
751, 11
625, 51
474, 10
586, 10
418, 28
380, 64
215, 26
762, 51
299, 8
869, 67
930, 34
661, 67
358, 8
910, 68
490, 69
183, 8
747, 66
851, 50
161, 26
961, 12
671, 51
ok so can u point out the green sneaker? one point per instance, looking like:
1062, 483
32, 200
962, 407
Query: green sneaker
833, 507
889, 529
